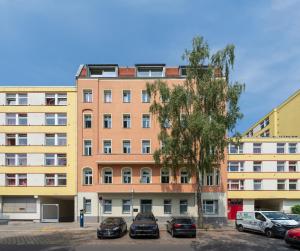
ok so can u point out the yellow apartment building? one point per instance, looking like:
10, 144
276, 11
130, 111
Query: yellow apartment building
37, 153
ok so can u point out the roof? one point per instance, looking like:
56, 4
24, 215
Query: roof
156, 65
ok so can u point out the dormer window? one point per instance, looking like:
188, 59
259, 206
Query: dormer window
182, 71
150, 71
103, 71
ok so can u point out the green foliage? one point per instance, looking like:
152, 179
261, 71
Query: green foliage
201, 111
296, 209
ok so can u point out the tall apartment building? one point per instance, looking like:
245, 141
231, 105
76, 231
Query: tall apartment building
263, 174
117, 136
37, 153
282, 121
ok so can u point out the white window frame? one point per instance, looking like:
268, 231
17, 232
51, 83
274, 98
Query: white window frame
146, 123
104, 147
142, 175
143, 141
87, 176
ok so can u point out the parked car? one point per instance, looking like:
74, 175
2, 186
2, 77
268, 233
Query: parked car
144, 224
292, 237
295, 217
181, 226
271, 223
112, 227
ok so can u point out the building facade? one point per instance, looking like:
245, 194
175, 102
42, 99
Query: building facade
37, 153
117, 136
263, 174
280, 122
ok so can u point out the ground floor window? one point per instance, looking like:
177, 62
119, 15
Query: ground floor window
88, 206
167, 206
210, 206
107, 206
183, 206
126, 205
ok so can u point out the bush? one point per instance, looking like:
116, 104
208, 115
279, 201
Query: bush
296, 209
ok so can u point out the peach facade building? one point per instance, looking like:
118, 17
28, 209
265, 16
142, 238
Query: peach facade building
117, 136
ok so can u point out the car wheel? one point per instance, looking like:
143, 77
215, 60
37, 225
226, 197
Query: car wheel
269, 233
157, 236
131, 236
99, 237
172, 233
240, 228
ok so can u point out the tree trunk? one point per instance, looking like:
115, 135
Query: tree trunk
199, 202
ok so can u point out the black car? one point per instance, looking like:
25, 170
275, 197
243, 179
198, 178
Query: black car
181, 226
144, 224
112, 227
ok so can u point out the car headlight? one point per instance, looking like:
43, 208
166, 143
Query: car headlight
116, 228
132, 227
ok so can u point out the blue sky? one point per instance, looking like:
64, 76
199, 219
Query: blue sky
42, 42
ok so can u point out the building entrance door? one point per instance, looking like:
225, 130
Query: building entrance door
233, 207
146, 206
50, 212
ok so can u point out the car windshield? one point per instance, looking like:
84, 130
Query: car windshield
145, 217
183, 221
276, 216
110, 221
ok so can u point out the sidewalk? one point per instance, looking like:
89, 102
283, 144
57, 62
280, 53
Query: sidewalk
19, 226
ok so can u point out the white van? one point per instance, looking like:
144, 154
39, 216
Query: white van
271, 223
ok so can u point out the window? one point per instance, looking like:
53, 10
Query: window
145, 96
61, 159
293, 184
183, 206
292, 147
256, 147
146, 121
107, 121
184, 176
259, 217
87, 120
126, 96
210, 207
56, 118
235, 185
126, 175
126, 146
107, 206
87, 205
280, 184
280, 166
257, 166
61, 179
150, 71
107, 176
209, 179
126, 121
167, 123
16, 139
145, 176
107, 96
87, 96
50, 179
235, 149
257, 185
50, 139
16, 179
107, 146
235, 166
16, 159
146, 147
16, 118
126, 205
53, 159
265, 134
16, 99
56, 99
164, 175
61, 139
103, 71
87, 147
167, 207
280, 147
61, 118
87, 176
292, 166
217, 177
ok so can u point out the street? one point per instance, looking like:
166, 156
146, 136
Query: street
86, 240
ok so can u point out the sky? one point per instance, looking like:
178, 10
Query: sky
43, 42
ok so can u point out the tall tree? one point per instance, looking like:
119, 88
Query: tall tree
196, 116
